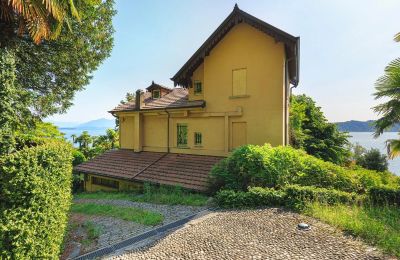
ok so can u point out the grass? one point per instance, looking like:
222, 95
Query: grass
379, 226
93, 232
141, 216
151, 194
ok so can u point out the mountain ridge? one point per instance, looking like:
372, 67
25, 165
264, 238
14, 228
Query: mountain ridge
362, 126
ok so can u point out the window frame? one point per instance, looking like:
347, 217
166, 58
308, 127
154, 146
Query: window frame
159, 93
198, 136
179, 127
195, 91
109, 183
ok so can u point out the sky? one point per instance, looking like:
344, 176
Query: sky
345, 46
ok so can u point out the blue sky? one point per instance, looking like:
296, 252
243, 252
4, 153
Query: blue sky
345, 46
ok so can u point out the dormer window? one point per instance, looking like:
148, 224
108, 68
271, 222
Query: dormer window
198, 88
156, 93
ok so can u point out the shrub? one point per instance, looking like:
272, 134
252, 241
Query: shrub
264, 166
292, 196
384, 196
35, 194
255, 197
298, 196
78, 156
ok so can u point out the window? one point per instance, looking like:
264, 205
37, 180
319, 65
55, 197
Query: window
182, 135
105, 182
198, 88
156, 93
197, 138
239, 80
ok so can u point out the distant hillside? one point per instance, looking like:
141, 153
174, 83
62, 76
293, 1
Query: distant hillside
361, 126
98, 123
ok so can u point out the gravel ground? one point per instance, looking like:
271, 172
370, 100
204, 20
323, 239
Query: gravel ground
115, 230
254, 234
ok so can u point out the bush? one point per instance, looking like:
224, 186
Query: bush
255, 197
292, 196
384, 196
78, 156
35, 195
264, 166
298, 196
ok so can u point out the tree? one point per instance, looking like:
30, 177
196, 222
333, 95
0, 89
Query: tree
73, 136
42, 19
388, 87
84, 140
373, 160
310, 130
130, 96
54, 71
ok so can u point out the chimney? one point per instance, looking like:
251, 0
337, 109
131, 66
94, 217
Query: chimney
139, 99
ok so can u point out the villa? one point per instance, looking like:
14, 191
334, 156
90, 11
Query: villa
233, 91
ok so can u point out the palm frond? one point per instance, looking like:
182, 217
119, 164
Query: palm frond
393, 148
397, 37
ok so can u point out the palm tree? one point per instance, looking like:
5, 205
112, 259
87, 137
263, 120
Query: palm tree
42, 19
112, 137
73, 136
388, 87
84, 140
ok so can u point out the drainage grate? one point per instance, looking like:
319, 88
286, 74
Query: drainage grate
130, 241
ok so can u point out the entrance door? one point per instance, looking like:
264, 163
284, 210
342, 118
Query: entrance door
239, 134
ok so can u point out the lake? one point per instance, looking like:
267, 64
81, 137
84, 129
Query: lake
367, 140
93, 131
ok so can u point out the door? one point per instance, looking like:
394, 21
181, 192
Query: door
239, 134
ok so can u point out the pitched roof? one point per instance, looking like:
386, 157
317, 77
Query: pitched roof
157, 86
177, 98
188, 171
292, 46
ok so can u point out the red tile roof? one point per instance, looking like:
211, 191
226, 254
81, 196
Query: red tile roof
177, 98
188, 171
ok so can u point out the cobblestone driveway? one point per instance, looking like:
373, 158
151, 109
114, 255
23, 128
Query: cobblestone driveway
254, 234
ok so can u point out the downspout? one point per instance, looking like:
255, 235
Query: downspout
167, 130
289, 89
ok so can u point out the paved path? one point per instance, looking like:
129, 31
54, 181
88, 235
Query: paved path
254, 234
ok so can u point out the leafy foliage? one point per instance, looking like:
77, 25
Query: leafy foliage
90, 146
292, 196
310, 131
264, 166
43, 19
371, 159
35, 195
388, 87
54, 70
385, 196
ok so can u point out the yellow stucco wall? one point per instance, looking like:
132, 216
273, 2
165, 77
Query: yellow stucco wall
127, 124
263, 108
123, 185
257, 117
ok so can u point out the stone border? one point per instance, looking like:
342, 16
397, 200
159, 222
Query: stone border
135, 239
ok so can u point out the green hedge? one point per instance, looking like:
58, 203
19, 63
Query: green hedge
264, 166
255, 197
292, 196
384, 196
297, 196
35, 196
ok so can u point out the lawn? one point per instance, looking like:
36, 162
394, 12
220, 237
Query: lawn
141, 216
158, 195
379, 226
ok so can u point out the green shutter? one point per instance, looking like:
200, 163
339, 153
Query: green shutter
182, 135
